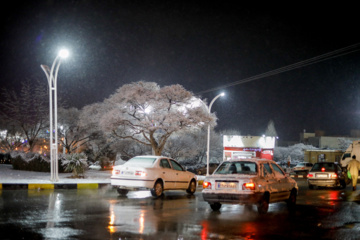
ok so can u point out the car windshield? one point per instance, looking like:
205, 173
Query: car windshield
140, 162
237, 168
326, 166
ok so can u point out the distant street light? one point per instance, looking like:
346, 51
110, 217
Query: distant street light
208, 135
52, 78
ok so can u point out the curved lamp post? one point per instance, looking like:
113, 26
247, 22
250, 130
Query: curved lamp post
208, 134
52, 78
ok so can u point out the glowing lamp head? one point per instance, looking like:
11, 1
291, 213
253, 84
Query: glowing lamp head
222, 94
64, 53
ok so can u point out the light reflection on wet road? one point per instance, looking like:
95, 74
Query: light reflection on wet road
102, 214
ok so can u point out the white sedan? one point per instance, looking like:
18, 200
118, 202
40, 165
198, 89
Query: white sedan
248, 182
156, 173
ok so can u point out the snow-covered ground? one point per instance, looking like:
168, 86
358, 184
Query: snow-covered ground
9, 175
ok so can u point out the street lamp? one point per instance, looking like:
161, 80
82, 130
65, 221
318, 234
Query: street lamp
208, 135
52, 78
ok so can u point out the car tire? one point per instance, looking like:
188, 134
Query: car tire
291, 202
215, 206
122, 192
311, 186
158, 189
192, 188
263, 205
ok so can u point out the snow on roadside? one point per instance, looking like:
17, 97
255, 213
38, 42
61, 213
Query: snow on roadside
9, 175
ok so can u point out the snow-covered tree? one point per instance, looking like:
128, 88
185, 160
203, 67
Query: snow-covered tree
344, 143
27, 110
148, 114
270, 130
10, 136
296, 152
71, 135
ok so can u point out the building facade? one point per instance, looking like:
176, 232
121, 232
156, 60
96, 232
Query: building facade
314, 156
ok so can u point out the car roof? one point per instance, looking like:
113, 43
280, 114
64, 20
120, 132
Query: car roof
151, 156
249, 160
326, 162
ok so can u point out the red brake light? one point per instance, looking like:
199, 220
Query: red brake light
206, 185
323, 169
310, 175
249, 186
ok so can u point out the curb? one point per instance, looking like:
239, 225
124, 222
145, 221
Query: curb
31, 186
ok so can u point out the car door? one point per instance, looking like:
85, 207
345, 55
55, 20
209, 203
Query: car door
283, 185
167, 174
182, 178
270, 184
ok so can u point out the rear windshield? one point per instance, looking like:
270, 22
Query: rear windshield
140, 162
327, 166
237, 168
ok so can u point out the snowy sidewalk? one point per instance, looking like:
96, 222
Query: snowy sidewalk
10, 179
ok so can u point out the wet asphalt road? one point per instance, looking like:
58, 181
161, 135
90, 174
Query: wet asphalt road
102, 214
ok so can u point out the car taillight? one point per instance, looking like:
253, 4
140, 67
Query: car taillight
334, 175
323, 169
310, 175
115, 172
140, 173
248, 186
206, 185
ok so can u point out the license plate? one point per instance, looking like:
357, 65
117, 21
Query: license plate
322, 175
127, 173
227, 185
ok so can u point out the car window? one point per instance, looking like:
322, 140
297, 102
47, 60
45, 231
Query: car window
277, 170
326, 166
267, 170
176, 166
164, 163
237, 168
338, 168
140, 162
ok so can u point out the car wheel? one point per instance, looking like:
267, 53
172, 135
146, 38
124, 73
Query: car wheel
263, 205
311, 186
157, 191
192, 188
215, 206
122, 192
291, 202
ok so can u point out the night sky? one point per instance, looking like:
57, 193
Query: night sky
202, 46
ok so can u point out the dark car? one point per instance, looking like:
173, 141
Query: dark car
202, 171
326, 174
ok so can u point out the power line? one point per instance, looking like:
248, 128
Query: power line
317, 59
